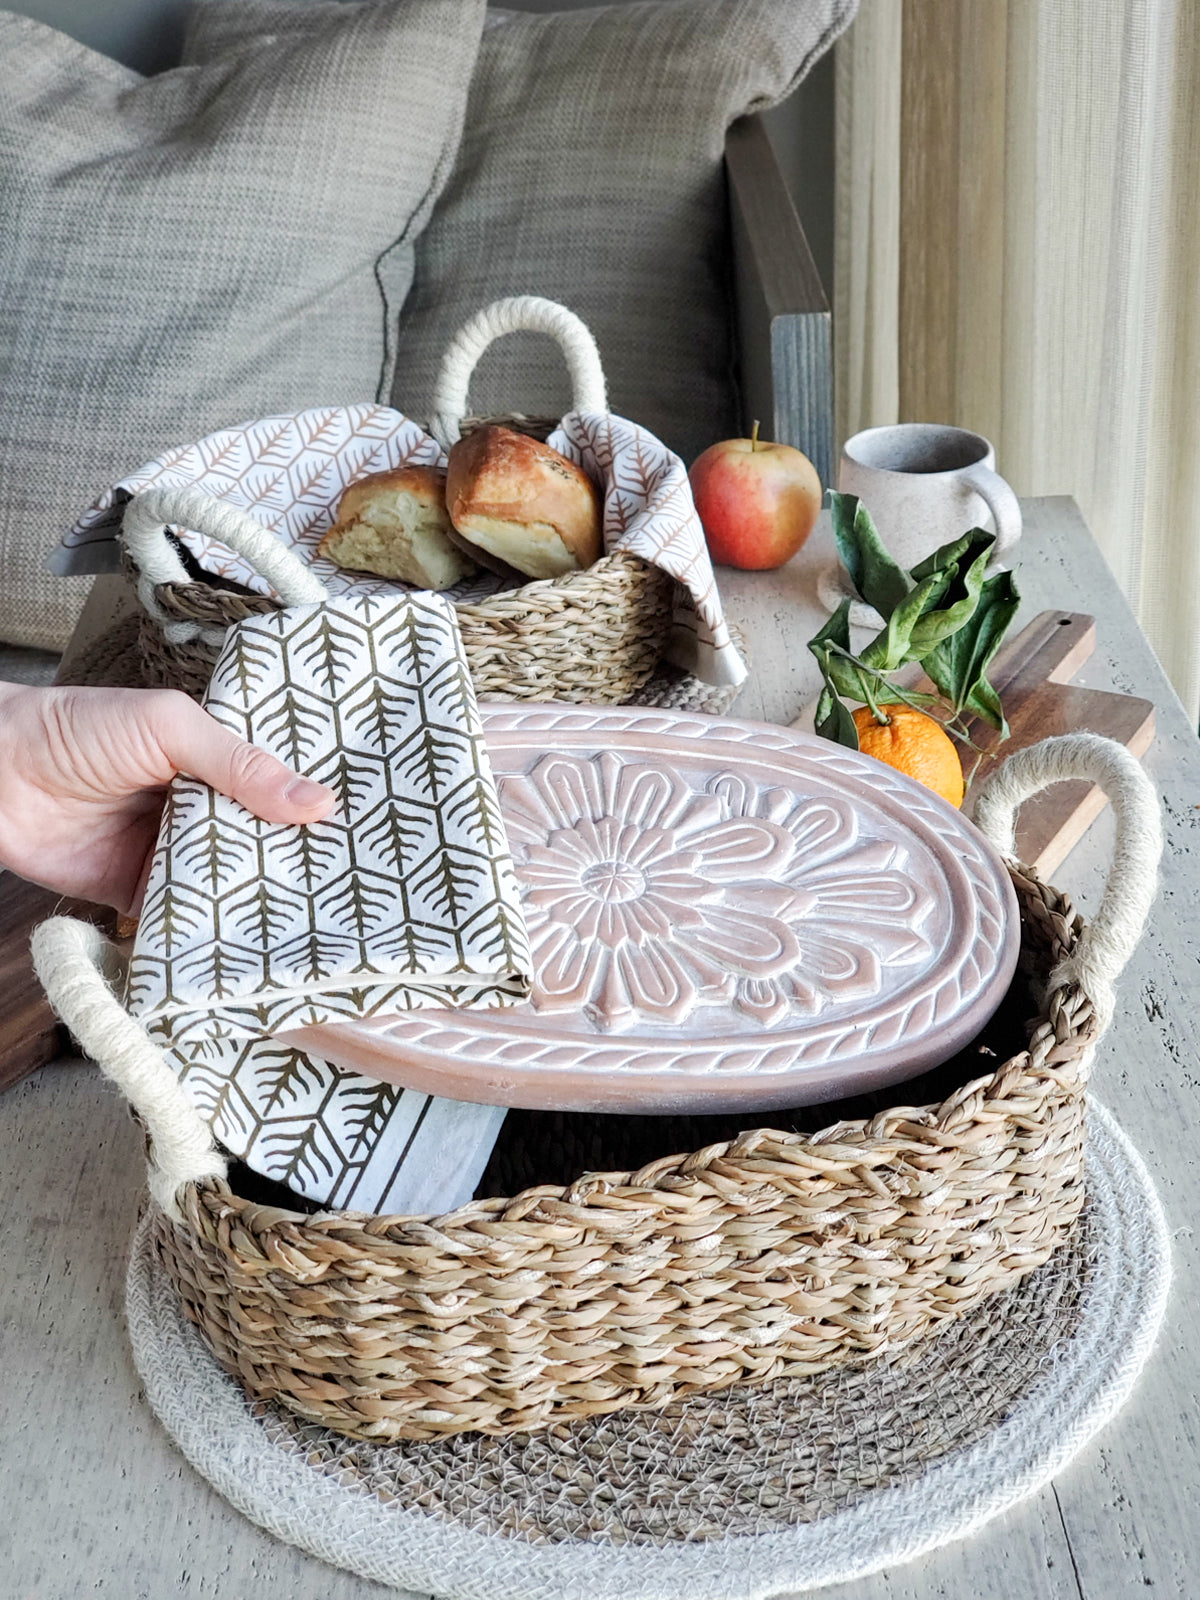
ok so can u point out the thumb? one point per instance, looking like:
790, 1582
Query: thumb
197, 744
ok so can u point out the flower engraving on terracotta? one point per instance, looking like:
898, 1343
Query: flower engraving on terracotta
647, 898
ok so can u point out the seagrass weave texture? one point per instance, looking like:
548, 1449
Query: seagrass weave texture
593, 637
134, 654
596, 636
771, 1255
750, 1460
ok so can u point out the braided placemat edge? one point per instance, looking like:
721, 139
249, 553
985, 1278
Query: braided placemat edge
1083, 1386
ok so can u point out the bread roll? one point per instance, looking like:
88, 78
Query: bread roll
522, 502
486, 560
395, 524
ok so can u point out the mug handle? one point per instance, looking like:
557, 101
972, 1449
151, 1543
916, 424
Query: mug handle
1000, 501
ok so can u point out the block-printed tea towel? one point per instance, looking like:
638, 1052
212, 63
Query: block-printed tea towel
335, 1136
290, 472
403, 898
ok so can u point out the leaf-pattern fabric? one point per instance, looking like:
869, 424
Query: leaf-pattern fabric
337, 1137
290, 472
404, 898
649, 512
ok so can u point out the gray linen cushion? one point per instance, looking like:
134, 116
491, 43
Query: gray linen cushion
191, 250
590, 171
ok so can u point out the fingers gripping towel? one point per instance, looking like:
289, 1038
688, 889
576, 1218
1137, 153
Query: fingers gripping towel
403, 898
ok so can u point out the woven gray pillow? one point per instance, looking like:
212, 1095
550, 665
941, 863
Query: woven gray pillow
590, 171
187, 251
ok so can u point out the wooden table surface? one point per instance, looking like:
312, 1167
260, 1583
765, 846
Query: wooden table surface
98, 1503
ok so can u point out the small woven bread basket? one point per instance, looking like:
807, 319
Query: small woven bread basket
771, 1254
594, 636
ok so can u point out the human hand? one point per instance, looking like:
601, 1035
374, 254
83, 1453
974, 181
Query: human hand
84, 774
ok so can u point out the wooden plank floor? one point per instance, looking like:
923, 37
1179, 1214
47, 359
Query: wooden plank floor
98, 1503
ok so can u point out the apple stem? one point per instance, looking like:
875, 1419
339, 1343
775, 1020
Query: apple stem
754, 435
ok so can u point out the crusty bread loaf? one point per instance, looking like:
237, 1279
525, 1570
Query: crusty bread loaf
523, 503
395, 524
489, 562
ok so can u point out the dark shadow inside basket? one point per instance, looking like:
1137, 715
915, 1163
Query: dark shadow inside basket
558, 1147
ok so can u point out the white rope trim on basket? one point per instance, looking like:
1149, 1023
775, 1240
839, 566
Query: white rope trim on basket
78, 969
522, 312
144, 534
1112, 935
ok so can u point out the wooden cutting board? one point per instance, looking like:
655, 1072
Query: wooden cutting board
1031, 675
30, 1034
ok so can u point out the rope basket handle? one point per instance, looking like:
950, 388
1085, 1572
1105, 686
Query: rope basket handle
1112, 935
522, 312
144, 534
80, 972
148, 514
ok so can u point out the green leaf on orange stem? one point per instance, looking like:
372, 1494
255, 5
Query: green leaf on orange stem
880, 581
839, 668
893, 645
965, 564
949, 555
833, 719
831, 647
958, 666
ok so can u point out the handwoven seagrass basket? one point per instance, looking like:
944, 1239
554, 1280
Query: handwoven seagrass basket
594, 636
767, 1254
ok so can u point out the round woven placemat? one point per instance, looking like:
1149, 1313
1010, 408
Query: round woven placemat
740, 1495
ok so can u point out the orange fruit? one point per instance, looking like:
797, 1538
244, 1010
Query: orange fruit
914, 744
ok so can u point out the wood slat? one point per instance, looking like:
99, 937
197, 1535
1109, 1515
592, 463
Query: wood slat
785, 351
30, 1034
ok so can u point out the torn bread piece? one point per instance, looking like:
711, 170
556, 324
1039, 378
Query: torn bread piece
395, 524
523, 503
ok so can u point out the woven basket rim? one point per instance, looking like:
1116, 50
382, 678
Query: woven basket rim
661, 1176
633, 566
772, 1254
537, 427
619, 559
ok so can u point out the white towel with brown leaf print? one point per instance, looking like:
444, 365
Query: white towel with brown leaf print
404, 898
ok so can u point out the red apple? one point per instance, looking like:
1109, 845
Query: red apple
757, 501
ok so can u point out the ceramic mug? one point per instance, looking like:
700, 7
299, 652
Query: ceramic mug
925, 484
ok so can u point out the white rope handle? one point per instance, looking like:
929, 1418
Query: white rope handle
78, 969
144, 534
1111, 937
525, 311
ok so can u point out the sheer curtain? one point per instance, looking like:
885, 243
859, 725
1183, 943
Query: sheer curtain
1019, 252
